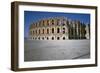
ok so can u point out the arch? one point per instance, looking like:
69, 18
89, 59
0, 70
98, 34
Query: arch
47, 38
52, 30
52, 22
52, 38
63, 38
36, 31
43, 22
43, 31
58, 30
58, 38
33, 38
39, 31
39, 38
63, 24
48, 22
47, 30
42, 38
58, 20
63, 30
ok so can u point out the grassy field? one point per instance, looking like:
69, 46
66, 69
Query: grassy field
36, 50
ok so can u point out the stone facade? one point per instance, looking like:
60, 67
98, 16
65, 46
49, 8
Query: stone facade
58, 28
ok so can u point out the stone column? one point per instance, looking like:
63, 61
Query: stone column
87, 31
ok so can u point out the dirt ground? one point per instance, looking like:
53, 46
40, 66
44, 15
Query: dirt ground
43, 50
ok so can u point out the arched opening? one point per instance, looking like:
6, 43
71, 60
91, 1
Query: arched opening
63, 38
39, 38
63, 30
48, 22
58, 30
58, 38
52, 38
63, 24
47, 38
42, 38
33, 38
52, 22
43, 31
47, 31
36, 31
39, 31
43, 22
33, 32
52, 30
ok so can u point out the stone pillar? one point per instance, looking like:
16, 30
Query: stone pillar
80, 31
87, 31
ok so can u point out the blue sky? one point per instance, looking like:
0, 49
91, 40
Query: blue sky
33, 16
